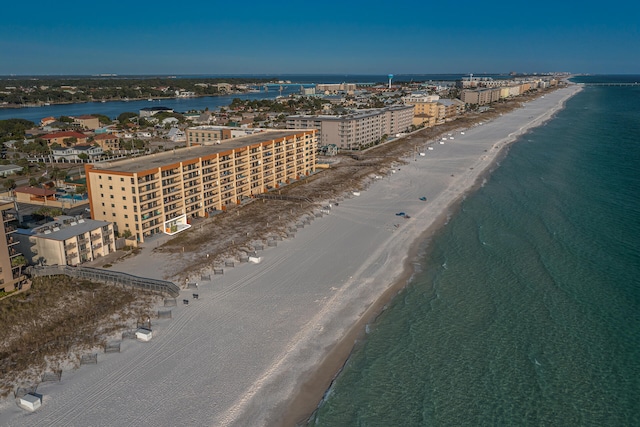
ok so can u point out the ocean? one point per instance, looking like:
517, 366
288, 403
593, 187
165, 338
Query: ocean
524, 308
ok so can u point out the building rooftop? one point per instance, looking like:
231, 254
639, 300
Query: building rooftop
63, 228
153, 161
36, 191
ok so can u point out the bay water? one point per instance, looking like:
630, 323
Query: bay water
525, 307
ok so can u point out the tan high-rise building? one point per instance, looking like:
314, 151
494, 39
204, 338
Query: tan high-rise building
161, 192
357, 130
10, 275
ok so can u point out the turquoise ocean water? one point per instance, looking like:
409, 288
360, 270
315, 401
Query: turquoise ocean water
526, 306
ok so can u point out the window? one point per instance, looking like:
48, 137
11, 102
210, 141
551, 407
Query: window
111, 196
112, 205
109, 178
122, 180
133, 190
124, 197
99, 176
122, 188
103, 204
132, 181
104, 214
113, 214
126, 225
100, 185
124, 207
125, 217
111, 187
101, 195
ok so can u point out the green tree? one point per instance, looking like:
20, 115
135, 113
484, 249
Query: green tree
20, 262
83, 156
70, 141
9, 184
126, 117
33, 181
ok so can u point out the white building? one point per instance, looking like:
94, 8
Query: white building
66, 241
72, 153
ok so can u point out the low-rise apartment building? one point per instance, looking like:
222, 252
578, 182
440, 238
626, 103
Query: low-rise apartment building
107, 141
67, 241
359, 129
87, 122
161, 192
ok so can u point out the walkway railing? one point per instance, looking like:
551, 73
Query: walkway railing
109, 277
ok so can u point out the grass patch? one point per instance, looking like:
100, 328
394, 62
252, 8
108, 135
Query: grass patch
46, 327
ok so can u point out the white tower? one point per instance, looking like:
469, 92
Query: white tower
390, 77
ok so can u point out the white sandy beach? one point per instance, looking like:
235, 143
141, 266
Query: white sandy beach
239, 354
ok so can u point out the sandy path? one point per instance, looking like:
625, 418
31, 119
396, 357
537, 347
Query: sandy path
239, 353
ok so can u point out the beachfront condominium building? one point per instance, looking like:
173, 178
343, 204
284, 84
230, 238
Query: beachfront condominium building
480, 96
161, 192
66, 241
357, 130
11, 260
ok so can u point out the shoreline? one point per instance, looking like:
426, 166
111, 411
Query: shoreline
264, 341
313, 389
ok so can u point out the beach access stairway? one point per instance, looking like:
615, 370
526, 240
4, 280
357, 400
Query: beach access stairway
109, 277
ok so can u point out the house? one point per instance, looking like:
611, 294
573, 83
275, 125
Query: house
107, 141
176, 135
6, 170
47, 121
87, 122
151, 111
65, 138
72, 153
34, 195
169, 121
66, 241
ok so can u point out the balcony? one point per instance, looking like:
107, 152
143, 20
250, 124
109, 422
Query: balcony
8, 217
70, 247
96, 236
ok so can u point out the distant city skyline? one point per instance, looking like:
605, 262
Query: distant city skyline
80, 38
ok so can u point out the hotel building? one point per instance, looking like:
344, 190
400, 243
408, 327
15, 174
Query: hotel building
354, 131
161, 192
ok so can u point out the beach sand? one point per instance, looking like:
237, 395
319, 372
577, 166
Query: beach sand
263, 341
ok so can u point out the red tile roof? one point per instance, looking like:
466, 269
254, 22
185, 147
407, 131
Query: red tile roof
36, 191
105, 136
64, 134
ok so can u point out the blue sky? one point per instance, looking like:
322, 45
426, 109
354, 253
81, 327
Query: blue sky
349, 37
